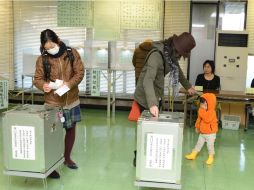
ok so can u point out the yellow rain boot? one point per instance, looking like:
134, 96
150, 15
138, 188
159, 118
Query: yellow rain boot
210, 159
192, 155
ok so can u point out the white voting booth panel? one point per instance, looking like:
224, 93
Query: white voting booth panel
159, 150
29, 62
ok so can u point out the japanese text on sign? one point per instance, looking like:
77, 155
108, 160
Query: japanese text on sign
159, 151
23, 142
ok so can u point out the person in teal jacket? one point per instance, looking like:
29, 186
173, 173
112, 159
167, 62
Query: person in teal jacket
162, 60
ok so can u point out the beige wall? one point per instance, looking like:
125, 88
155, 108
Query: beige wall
250, 25
6, 41
177, 19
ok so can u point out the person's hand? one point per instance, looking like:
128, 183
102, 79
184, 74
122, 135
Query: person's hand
66, 84
154, 111
192, 91
197, 130
46, 87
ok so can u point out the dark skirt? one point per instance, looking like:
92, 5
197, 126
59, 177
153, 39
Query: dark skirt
71, 116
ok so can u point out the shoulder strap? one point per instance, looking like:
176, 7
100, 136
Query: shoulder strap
46, 66
152, 51
70, 55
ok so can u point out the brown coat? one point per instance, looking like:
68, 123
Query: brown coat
61, 69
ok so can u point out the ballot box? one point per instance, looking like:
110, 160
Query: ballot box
159, 150
32, 141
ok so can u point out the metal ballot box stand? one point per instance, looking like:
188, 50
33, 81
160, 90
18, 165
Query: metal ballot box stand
159, 150
32, 141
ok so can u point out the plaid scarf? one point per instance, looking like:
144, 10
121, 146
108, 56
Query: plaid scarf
170, 59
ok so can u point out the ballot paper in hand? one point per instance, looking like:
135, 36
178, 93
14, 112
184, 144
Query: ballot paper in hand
52, 85
59, 83
55, 85
62, 90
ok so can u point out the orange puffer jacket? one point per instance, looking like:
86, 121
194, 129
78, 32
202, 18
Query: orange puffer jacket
207, 119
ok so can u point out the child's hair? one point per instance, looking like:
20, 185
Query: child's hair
202, 100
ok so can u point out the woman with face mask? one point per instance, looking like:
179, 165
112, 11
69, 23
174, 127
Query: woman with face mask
60, 63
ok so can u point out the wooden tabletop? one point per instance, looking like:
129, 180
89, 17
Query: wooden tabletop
222, 94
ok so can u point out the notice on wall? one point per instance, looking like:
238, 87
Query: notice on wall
75, 13
159, 151
23, 142
145, 14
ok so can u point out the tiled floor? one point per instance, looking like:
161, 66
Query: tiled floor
104, 153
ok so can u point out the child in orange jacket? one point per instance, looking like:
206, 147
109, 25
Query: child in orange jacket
207, 127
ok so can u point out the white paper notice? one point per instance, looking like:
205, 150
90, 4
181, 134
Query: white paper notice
62, 90
55, 85
52, 85
159, 151
23, 142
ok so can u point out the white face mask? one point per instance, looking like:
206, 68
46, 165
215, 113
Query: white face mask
54, 50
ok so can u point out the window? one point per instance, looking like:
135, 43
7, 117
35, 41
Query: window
232, 16
6, 41
203, 30
31, 17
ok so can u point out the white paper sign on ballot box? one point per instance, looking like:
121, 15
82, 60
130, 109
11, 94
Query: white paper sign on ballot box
159, 151
23, 142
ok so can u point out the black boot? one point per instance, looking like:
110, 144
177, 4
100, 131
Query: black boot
54, 175
134, 160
